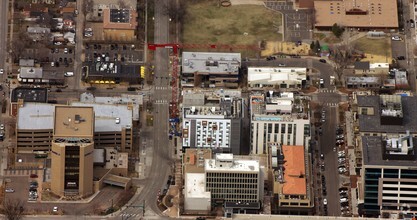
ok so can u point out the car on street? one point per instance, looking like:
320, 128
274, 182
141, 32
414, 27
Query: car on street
396, 38
323, 61
1, 71
321, 82
322, 156
281, 65
1, 126
65, 50
342, 200
400, 58
55, 209
324, 201
9, 190
69, 74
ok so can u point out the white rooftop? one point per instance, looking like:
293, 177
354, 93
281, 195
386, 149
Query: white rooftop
378, 65
135, 100
251, 166
36, 116
269, 75
212, 63
224, 156
106, 114
195, 186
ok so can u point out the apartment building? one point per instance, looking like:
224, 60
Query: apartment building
291, 172
210, 69
215, 125
72, 151
278, 118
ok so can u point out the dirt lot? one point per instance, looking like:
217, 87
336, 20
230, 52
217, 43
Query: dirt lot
205, 22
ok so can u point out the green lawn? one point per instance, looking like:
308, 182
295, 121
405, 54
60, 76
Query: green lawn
205, 22
380, 47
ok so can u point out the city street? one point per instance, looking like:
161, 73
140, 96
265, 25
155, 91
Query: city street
161, 159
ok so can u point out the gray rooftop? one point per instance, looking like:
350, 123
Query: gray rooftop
36, 116
212, 63
31, 72
29, 94
373, 153
26, 62
362, 65
193, 99
106, 114
372, 123
354, 79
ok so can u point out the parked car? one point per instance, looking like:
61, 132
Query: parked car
343, 200
33, 175
324, 201
400, 58
1, 126
55, 209
9, 190
323, 60
396, 38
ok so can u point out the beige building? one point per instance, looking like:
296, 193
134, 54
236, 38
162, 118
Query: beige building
72, 151
119, 24
363, 14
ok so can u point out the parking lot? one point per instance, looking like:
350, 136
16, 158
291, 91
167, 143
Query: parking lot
125, 53
297, 23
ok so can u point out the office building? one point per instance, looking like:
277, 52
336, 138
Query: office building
112, 126
389, 175
231, 180
278, 118
72, 151
291, 180
210, 69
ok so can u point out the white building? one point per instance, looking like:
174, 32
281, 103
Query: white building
230, 180
284, 77
196, 198
278, 118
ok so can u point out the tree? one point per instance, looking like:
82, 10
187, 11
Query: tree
13, 209
337, 30
318, 46
313, 46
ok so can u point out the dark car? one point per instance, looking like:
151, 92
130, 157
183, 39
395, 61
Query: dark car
33, 175
323, 60
401, 58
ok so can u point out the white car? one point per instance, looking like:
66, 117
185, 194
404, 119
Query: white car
55, 209
65, 50
2, 127
396, 38
69, 74
9, 190
1, 71
324, 201
52, 64
117, 120
342, 200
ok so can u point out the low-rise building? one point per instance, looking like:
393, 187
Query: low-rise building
291, 179
22, 95
367, 68
210, 69
276, 77
278, 117
119, 24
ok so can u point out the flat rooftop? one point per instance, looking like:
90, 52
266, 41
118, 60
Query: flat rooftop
250, 166
193, 159
124, 19
372, 151
106, 114
113, 69
271, 75
372, 123
195, 186
73, 121
36, 116
359, 13
295, 172
211, 63
29, 94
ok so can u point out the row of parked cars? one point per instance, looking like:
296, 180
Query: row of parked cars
33, 188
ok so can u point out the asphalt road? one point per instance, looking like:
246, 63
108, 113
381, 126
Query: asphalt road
4, 8
80, 19
161, 159
327, 142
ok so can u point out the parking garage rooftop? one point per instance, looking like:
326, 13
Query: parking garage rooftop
29, 94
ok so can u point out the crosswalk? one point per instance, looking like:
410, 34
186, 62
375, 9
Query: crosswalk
331, 104
162, 88
161, 101
328, 90
130, 215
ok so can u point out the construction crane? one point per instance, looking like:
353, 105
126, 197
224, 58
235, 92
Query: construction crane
173, 110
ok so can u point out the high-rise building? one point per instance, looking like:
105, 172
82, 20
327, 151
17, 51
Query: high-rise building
72, 151
278, 118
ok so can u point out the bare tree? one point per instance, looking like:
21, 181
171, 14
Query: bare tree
13, 209
88, 6
343, 54
21, 42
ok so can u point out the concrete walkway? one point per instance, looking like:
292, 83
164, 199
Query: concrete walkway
247, 2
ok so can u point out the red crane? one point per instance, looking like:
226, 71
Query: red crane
174, 78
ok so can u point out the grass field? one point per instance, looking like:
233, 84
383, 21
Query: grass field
380, 47
240, 24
